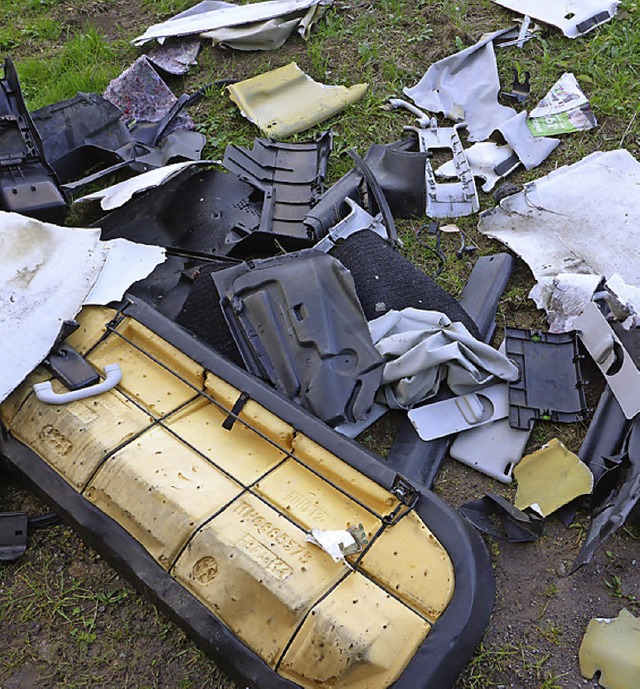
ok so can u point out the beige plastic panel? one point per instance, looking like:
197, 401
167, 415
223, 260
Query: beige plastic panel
311, 501
253, 568
74, 438
254, 414
92, 321
409, 560
339, 472
550, 478
358, 637
150, 384
612, 646
160, 491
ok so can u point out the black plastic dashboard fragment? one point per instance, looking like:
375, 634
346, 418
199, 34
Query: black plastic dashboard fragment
203, 210
28, 185
399, 169
436, 662
620, 503
85, 139
550, 385
297, 322
293, 173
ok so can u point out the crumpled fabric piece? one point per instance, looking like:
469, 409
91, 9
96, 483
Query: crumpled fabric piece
423, 349
143, 96
175, 56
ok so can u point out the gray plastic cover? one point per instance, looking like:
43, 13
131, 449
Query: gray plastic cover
457, 414
298, 323
612, 358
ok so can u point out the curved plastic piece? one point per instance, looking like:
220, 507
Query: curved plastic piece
44, 391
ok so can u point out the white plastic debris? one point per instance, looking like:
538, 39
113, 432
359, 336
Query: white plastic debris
564, 298
465, 87
487, 160
581, 218
47, 273
574, 17
207, 19
118, 194
339, 543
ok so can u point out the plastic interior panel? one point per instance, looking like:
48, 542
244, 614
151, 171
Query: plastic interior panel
327, 363
620, 371
293, 171
205, 211
460, 413
550, 386
493, 449
28, 184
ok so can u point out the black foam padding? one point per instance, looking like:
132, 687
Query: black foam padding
387, 281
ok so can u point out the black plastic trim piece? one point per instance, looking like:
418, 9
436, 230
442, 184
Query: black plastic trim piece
550, 385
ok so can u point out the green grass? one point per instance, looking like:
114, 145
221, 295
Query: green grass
86, 63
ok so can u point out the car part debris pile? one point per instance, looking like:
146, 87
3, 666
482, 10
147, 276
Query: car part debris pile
241, 322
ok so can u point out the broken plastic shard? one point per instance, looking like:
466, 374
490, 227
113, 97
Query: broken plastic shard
611, 357
565, 297
625, 301
488, 160
339, 543
612, 647
492, 511
448, 199
550, 478
286, 101
209, 17
574, 17
118, 194
358, 220
577, 219
620, 503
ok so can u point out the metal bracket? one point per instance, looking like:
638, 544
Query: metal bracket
520, 89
